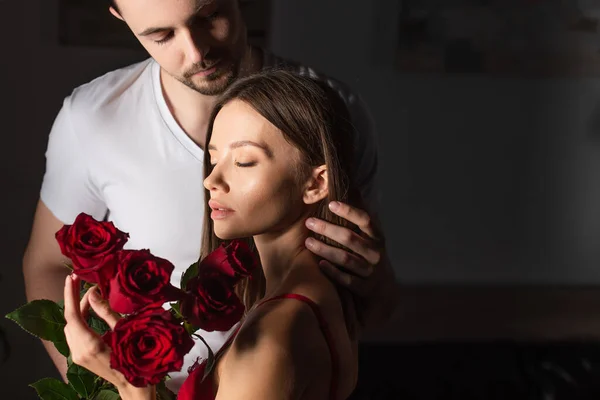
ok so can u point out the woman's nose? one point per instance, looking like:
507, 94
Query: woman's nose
215, 181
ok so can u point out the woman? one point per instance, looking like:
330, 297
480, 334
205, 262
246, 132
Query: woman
277, 156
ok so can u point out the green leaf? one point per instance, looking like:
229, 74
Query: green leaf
175, 307
189, 328
163, 393
82, 380
98, 325
107, 395
62, 347
191, 272
102, 384
41, 318
175, 312
53, 389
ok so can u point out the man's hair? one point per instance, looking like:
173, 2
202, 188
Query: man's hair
313, 118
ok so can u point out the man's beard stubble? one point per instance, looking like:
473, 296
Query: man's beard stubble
215, 83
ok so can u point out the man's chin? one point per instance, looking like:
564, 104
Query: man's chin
212, 85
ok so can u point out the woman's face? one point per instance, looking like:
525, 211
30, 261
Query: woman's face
254, 185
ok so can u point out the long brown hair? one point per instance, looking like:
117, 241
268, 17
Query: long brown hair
313, 118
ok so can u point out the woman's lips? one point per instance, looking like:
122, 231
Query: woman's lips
220, 214
219, 211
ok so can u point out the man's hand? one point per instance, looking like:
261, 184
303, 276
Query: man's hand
367, 271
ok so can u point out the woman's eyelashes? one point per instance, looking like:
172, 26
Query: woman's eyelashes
245, 164
237, 164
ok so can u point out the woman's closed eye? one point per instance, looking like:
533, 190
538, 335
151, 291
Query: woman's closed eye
245, 164
237, 164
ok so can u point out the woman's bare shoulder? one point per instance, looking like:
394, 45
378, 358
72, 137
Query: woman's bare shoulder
287, 323
279, 348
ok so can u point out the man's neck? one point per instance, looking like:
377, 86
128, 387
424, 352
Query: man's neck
191, 109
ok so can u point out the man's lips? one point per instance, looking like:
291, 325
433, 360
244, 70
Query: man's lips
207, 71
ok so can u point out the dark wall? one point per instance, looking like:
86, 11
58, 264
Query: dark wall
483, 179
35, 75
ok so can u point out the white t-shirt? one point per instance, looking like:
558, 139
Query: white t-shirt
116, 152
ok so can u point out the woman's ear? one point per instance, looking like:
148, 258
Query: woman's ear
317, 187
115, 13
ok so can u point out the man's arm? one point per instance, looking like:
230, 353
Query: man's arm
67, 190
44, 271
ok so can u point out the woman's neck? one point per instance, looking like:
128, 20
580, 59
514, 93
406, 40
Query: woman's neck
283, 252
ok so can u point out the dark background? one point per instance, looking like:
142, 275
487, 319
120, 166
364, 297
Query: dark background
485, 180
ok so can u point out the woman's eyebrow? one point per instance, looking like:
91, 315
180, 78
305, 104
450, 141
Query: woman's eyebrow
243, 143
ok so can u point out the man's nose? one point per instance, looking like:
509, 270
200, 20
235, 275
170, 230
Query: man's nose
195, 48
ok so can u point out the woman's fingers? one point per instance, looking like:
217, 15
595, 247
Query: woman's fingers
84, 305
71, 301
102, 308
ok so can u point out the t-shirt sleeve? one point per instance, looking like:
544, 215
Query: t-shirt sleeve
67, 187
366, 154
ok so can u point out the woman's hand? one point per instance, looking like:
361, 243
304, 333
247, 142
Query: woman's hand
367, 273
87, 348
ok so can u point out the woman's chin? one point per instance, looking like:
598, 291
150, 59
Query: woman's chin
231, 231
225, 235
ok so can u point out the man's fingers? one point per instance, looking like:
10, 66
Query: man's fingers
353, 283
357, 216
102, 308
340, 257
344, 236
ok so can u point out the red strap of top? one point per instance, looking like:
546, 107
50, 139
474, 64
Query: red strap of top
326, 332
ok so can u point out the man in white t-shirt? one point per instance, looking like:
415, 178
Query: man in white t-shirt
127, 147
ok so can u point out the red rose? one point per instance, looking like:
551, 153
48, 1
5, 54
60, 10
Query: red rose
235, 259
211, 303
193, 387
147, 346
88, 243
141, 279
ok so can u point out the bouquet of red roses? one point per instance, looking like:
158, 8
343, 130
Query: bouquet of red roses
150, 340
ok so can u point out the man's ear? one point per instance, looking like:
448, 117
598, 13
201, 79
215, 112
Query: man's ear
317, 187
115, 13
